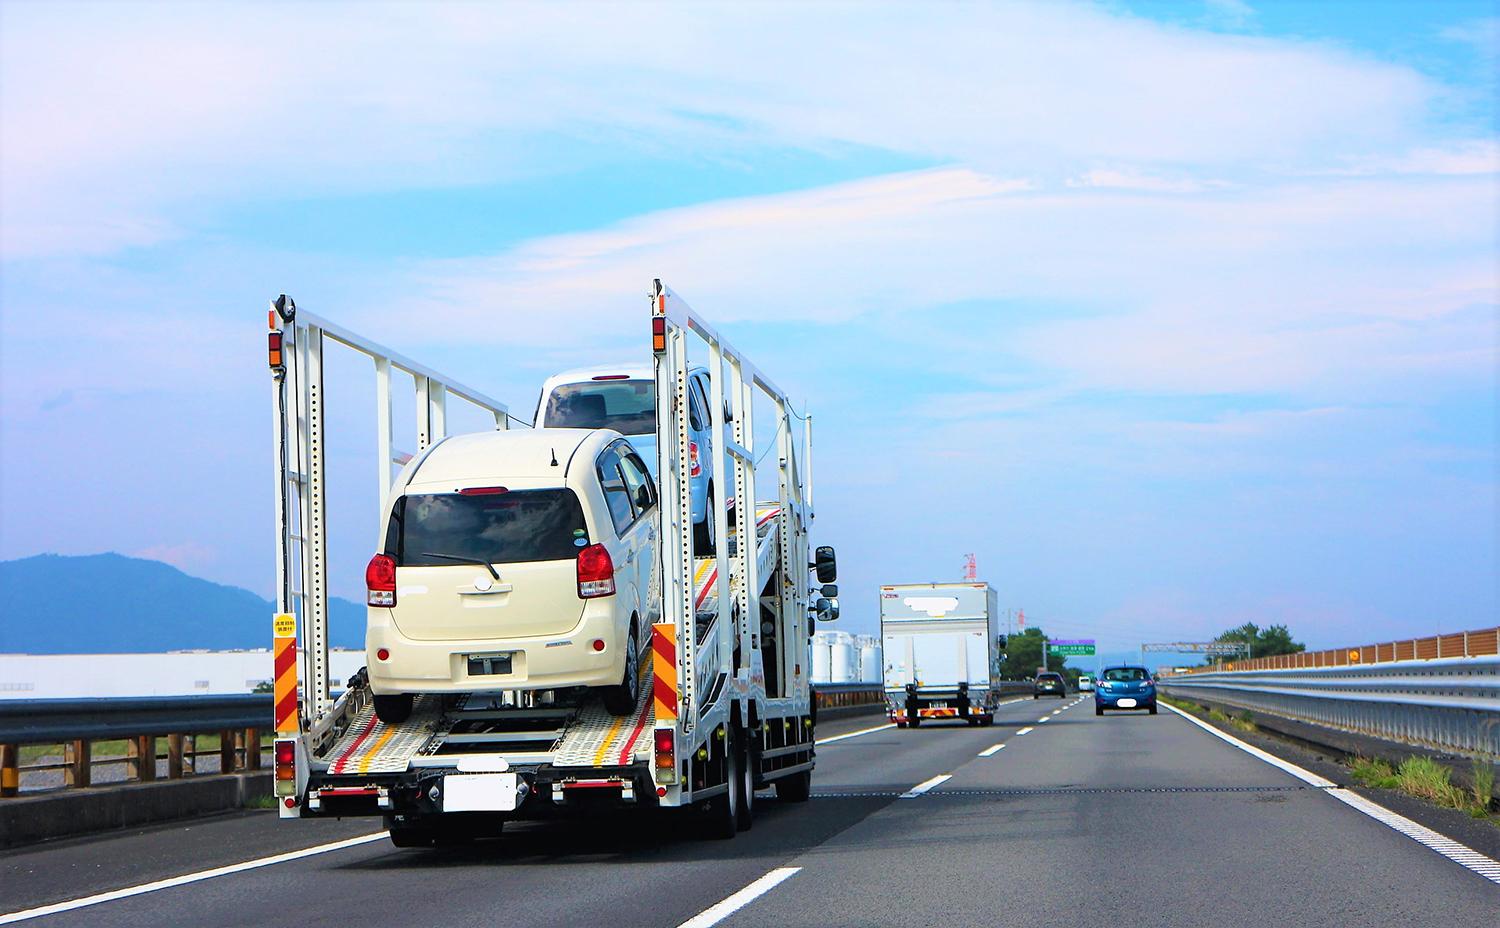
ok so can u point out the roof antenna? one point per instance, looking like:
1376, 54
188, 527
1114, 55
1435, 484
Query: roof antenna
554, 457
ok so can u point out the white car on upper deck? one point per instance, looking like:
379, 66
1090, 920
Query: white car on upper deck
515, 560
623, 397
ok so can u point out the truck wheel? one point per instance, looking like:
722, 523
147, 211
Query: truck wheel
745, 814
393, 710
721, 819
795, 788
621, 700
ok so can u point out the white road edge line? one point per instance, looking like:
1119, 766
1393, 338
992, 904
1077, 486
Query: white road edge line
721, 910
926, 785
991, 751
1025, 730
855, 734
56, 907
1460, 854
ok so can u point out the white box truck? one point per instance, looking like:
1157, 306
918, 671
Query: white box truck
943, 652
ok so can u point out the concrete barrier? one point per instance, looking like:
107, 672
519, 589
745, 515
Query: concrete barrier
28, 819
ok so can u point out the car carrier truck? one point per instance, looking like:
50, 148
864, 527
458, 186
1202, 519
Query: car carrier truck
943, 652
725, 704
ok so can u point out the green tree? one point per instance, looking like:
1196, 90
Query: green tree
1264, 642
1023, 655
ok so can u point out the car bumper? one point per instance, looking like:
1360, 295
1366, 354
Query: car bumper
537, 663
1112, 700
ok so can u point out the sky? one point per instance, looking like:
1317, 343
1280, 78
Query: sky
1176, 315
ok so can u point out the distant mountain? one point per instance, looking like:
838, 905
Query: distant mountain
112, 604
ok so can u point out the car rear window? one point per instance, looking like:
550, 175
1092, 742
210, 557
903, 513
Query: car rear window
1126, 675
627, 406
497, 528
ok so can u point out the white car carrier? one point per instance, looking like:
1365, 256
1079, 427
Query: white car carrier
726, 705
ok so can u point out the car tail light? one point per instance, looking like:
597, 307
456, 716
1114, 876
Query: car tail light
380, 580
696, 466
286, 767
596, 572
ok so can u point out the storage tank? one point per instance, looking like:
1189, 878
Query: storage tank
822, 657
871, 662
845, 662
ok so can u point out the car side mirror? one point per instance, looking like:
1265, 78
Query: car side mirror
826, 564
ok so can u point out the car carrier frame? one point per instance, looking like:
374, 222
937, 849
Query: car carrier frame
726, 705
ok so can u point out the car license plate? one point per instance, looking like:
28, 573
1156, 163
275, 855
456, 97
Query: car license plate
1127, 703
480, 792
481, 665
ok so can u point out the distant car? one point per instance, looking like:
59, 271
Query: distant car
1125, 687
514, 560
623, 398
1085, 683
1049, 684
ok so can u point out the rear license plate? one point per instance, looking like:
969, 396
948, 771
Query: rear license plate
480, 792
1127, 703
481, 665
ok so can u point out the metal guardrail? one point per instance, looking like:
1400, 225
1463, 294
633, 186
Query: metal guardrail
77, 724
1450, 704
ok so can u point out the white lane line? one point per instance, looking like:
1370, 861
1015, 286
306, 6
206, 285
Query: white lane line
855, 734
926, 785
1460, 854
991, 751
56, 907
721, 910
1025, 730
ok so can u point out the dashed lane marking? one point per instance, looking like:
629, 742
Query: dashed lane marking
926, 785
1460, 854
721, 910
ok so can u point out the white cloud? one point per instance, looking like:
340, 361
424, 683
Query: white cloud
123, 122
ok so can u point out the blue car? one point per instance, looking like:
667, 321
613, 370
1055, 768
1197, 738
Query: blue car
623, 397
1125, 687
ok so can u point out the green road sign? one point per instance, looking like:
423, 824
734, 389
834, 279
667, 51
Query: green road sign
1082, 648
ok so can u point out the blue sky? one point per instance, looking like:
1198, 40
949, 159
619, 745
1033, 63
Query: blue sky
1177, 315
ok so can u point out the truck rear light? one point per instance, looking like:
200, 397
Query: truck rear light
696, 468
658, 334
380, 580
596, 572
285, 752
666, 749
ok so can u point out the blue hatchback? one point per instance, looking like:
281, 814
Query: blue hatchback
1125, 687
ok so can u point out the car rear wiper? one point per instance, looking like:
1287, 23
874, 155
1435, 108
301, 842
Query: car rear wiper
465, 560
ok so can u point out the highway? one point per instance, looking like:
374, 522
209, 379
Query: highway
1074, 821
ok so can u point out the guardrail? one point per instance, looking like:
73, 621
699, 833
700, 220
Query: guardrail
86, 731
1448, 704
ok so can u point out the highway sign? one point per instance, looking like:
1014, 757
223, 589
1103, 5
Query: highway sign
1074, 648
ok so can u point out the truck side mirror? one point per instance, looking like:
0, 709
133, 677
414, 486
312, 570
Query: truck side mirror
826, 564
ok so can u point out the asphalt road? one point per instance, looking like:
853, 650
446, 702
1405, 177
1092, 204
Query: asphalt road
1127, 819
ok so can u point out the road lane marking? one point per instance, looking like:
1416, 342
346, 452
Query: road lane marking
1460, 854
721, 910
56, 907
926, 785
1025, 730
855, 734
991, 751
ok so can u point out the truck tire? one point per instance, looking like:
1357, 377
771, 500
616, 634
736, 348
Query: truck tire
795, 788
745, 813
395, 709
721, 818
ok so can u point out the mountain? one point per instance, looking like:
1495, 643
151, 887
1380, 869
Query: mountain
112, 604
